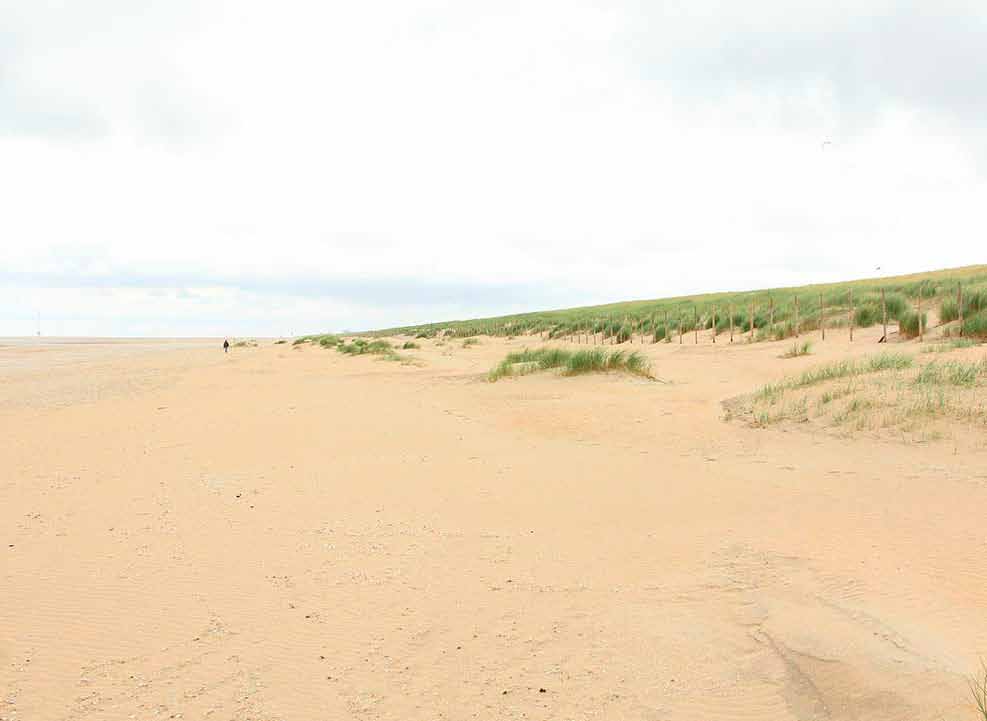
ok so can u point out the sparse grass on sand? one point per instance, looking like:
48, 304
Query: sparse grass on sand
570, 363
380, 348
880, 393
978, 689
951, 345
798, 350
245, 344
410, 345
326, 340
467, 342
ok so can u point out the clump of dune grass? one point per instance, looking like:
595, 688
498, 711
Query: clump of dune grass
326, 340
888, 392
282, 341
245, 344
908, 323
380, 349
409, 345
360, 346
467, 342
954, 373
975, 326
569, 363
798, 350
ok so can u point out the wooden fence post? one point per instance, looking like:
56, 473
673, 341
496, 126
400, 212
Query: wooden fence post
921, 334
771, 313
680, 328
752, 321
851, 315
959, 305
796, 316
822, 317
714, 324
884, 314
695, 325
730, 308
668, 335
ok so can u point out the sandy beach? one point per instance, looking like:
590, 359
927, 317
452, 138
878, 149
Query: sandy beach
289, 534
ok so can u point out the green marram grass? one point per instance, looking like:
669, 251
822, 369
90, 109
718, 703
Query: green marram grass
886, 392
834, 371
774, 312
953, 373
570, 363
798, 350
326, 340
360, 346
975, 326
950, 345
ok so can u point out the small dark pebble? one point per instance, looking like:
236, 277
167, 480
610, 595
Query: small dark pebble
541, 690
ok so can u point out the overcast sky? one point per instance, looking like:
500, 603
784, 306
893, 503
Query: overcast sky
208, 167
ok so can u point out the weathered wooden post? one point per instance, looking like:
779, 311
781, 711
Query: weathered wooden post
822, 317
730, 308
714, 324
851, 315
796, 316
921, 334
695, 325
884, 314
668, 334
752, 321
959, 304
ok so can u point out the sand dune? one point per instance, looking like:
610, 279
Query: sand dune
288, 533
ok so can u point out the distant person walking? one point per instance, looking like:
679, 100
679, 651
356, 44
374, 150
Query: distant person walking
226, 345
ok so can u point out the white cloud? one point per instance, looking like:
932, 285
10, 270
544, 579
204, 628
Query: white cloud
205, 166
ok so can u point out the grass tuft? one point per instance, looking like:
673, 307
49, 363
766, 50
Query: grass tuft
593, 360
798, 350
359, 346
326, 340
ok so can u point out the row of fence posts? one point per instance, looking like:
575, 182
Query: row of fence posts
634, 325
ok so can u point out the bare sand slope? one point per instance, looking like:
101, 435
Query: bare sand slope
288, 534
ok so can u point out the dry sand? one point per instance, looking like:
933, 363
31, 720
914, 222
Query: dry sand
291, 534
